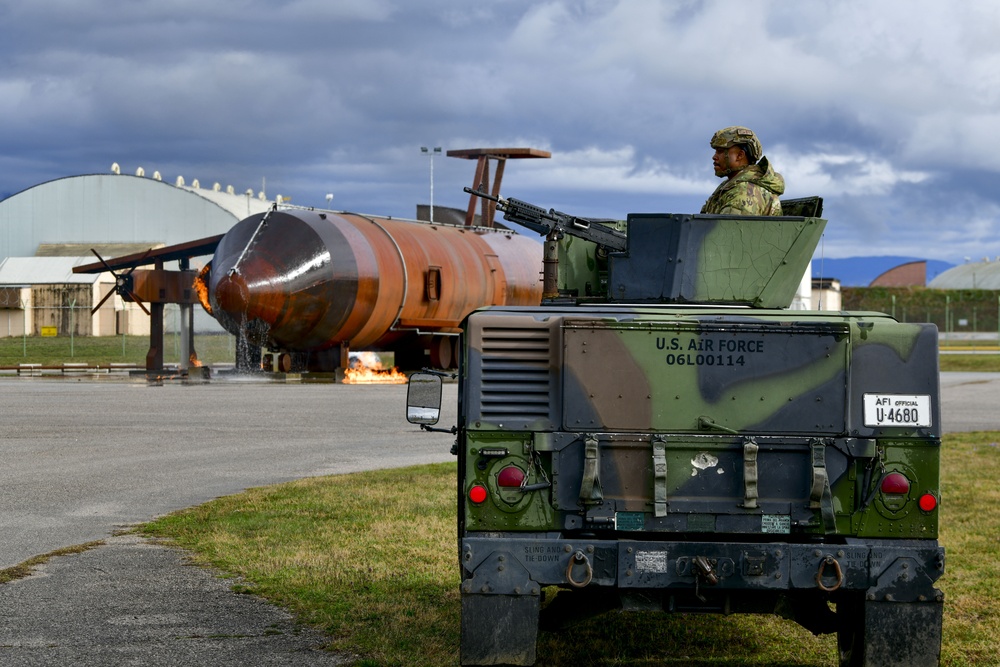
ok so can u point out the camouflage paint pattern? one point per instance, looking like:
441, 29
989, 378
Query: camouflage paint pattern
583, 271
708, 259
738, 135
705, 385
663, 430
694, 259
754, 190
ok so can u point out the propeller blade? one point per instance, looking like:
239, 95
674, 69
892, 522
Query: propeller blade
101, 302
106, 265
137, 300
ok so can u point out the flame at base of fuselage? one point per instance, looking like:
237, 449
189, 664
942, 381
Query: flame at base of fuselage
367, 368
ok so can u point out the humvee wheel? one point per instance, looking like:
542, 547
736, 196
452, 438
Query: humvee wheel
851, 631
499, 629
888, 634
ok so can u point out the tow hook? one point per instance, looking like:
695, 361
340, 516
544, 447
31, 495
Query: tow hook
703, 570
837, 573
579, 557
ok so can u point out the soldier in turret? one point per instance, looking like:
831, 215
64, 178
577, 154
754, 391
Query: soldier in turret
752, 187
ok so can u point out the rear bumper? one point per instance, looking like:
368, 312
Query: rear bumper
890, 570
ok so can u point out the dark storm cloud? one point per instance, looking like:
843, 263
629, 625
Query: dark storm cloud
882, 108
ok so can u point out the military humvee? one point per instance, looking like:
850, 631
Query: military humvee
663, 433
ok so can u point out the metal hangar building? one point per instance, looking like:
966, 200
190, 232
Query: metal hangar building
47, 229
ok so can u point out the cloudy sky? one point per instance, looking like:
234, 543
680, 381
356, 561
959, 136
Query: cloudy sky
889, 110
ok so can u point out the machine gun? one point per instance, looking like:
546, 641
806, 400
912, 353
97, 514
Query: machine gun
552, 222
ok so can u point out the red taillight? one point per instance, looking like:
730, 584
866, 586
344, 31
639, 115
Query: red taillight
927, 502
477, 494
896, 483
510, 476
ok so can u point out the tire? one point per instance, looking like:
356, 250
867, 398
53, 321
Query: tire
888, 634
851, 631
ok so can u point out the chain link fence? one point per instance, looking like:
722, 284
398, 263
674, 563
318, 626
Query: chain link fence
63, 333
958, 314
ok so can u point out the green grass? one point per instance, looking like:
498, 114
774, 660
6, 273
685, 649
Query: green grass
24, 569
104, 350
982, 362
970, 531
371, 560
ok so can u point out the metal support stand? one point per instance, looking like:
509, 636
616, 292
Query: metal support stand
154, 358
481, 181
187, 336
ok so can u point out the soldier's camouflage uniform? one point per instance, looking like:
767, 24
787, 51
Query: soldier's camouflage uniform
753, 191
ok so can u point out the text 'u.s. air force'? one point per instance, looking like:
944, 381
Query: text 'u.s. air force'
706, 351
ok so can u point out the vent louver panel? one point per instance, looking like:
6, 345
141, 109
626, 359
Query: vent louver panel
516, 376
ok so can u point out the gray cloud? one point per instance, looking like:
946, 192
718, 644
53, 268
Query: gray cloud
886, 109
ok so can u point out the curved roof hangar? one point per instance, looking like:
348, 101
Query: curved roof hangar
972, 275
116, 209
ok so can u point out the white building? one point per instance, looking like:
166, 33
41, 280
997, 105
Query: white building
51, 227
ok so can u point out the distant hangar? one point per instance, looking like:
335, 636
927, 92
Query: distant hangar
116, 214
971, 275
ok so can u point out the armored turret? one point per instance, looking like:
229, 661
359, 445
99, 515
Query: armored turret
704, 259
674, 258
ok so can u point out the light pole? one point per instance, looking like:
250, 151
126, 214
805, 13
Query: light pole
431, 151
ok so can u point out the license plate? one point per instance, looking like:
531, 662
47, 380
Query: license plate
897, 410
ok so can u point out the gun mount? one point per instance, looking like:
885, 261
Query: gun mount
553, 223
672, 258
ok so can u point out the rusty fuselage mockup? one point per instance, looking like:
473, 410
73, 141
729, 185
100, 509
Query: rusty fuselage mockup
306, 281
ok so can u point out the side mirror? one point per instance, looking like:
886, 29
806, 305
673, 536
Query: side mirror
423, 399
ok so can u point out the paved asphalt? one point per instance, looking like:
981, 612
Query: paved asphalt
81, 459
969, 402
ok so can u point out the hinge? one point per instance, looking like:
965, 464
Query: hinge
659, 476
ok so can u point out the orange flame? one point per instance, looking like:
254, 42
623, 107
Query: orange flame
201, 287
193, 360
367, 368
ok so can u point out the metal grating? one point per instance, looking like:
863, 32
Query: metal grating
516, 376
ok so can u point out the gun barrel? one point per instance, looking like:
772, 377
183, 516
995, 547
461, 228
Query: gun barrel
485, 195
545, 222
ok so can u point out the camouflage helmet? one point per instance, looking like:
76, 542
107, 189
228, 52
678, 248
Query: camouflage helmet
739, 136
